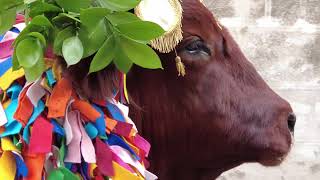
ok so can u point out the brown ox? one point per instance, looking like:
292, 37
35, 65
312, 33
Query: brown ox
220, 115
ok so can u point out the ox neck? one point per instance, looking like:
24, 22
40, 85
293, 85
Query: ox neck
159, 118
191, 174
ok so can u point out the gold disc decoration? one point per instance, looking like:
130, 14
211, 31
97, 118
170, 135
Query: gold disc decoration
166, 13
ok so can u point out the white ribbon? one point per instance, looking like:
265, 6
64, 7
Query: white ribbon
35, 92
3, 117
127, 158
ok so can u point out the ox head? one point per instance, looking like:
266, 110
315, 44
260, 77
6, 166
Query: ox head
220, 115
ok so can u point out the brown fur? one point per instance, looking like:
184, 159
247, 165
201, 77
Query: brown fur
95, 86
220, 115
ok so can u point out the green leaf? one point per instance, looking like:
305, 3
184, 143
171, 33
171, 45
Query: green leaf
43, 21
92, 41
94, 19
72, 17
140, 54
39, 7
29, 1
30, 28
89, 17
9, 4
122, 62
72, 50
40, 37
118, 18
29, 51
104, 56
15, 62
119, 5
72, 5
61, 36
141, 30
38, 24
35, 71
7, 18
62, 21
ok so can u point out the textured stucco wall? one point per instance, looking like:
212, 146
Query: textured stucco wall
282, 39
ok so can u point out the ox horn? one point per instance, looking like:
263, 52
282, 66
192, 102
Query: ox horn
166, 13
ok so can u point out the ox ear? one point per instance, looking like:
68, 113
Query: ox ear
166, 13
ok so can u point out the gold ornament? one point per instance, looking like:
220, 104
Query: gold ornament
167, 14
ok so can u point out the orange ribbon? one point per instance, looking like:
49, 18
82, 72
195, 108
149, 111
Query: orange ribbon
35, 163
25, 108
86, 109
111, 124
59, 98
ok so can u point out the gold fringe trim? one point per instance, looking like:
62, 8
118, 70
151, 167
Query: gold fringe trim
168, 41
180, 67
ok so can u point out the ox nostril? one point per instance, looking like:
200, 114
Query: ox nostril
291, 121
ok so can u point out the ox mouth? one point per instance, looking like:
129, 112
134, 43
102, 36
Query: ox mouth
277, 155
273, 162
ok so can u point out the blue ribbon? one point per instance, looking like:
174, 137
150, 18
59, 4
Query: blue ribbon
14, 91
100, 123
91, 130
115, 112
22, 169
15, 30
5, 65
50, 77
116, 140
57, 128
84, 171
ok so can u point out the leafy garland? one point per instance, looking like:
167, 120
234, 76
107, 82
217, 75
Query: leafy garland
76, 29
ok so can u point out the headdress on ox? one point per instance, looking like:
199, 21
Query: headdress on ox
169, 18
47, 130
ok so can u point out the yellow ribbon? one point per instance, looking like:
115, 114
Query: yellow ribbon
7, 166
7, 145
125, 87
9, 77
121, 173
6, 104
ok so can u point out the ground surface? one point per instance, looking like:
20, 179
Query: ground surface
282, 39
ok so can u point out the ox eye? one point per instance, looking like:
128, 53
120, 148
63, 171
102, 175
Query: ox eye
198, 47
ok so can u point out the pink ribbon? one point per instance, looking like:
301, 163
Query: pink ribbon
142, 144
80, 142
74, 155
104, 158
6, 49
87, 148
41, 136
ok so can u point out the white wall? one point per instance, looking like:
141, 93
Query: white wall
282, 39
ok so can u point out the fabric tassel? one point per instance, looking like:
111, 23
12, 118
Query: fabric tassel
180, 67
